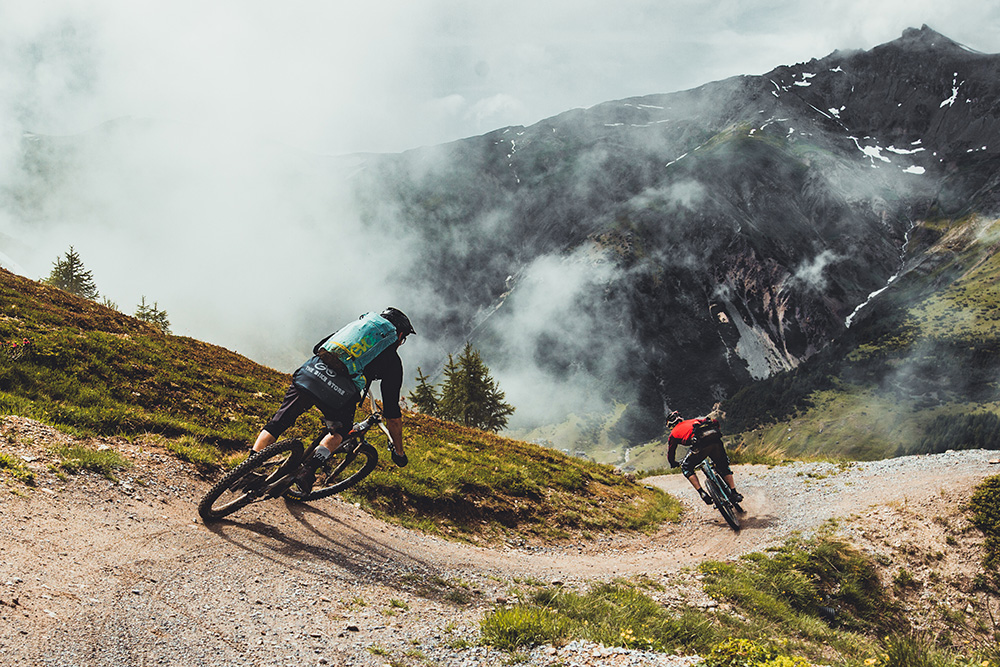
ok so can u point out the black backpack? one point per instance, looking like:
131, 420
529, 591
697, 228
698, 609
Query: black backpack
706, 430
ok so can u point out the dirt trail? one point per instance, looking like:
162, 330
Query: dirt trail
95, 572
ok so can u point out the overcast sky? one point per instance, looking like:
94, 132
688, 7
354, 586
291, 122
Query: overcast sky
332, 77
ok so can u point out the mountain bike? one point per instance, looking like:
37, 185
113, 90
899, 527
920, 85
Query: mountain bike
719, 490
271, 472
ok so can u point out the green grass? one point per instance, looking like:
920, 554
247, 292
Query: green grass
614, 614
76, 458
985, 510
469, 485
91, 370
15, 468
203, 455
810, 601
511, 628
794, 587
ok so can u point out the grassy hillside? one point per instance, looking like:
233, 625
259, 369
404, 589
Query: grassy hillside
93, 371
918, 373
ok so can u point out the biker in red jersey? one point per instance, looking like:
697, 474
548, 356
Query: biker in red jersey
704, 438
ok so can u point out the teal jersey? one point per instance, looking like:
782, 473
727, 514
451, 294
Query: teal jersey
358, 343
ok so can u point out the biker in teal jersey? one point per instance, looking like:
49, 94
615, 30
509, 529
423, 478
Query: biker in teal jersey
343, 364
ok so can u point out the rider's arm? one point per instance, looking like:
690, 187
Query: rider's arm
671, 451
388, 368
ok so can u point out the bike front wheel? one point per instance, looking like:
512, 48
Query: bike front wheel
722, 504
251, 479
346, 467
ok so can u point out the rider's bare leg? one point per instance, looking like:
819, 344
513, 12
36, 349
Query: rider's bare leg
331, 441
263, 440
695, 483
729, 481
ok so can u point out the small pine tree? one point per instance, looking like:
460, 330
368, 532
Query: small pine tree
470, 395
153, 315
424, 396
68, 274
451, 404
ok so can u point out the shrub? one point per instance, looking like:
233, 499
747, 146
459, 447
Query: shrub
985, 508
736, 652
511, 628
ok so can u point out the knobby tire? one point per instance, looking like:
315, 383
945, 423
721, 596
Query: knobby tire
238, 488
722, 503
345, 468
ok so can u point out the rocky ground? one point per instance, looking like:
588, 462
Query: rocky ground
122, 572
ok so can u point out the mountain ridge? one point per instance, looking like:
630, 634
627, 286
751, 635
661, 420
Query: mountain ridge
780, 166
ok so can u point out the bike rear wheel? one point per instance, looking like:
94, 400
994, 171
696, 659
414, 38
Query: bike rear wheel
722, 503
251, 479
346, 467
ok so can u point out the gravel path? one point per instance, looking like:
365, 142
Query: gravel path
95, 572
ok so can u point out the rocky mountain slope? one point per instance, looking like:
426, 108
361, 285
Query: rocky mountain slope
704, 239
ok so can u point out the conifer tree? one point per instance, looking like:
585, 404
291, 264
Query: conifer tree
470, 396
153, 315
424, 396
68, 274
451, 403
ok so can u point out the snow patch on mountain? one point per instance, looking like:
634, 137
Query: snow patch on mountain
955, 87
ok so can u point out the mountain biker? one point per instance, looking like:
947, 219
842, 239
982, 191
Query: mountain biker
704, 438
344, 363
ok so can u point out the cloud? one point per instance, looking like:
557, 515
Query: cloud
550, 347
812, 274
338, 77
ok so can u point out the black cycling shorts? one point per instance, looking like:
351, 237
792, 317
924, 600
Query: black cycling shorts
297, 401
714, 450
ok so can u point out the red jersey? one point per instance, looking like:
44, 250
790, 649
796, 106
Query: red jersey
683, 430
682, 433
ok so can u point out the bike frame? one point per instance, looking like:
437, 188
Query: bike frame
355, 438
719, 490
256, 479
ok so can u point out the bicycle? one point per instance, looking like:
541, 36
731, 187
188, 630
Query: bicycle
271, 472
719, 490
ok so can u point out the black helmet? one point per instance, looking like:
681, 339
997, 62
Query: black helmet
673, 419
398, 320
